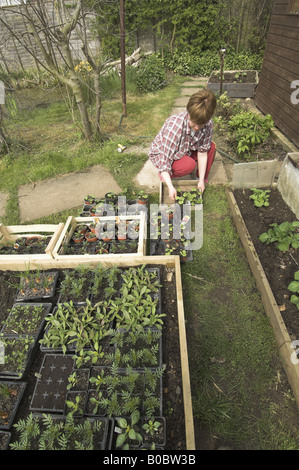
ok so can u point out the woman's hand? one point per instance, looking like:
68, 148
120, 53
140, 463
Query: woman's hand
201, 186
171, 189
172, 193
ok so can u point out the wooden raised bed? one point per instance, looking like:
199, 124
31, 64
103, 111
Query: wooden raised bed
13, 232
234, 90
126, 261
72, 223
282, 336
184, 185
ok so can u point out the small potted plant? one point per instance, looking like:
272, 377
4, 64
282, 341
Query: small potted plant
142, 197
33, 240
111, 198
106, 236
88, 200
77, 237
128, 432
91, 237
169, 211
183, 254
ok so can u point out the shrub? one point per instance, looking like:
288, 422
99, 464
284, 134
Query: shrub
151, 74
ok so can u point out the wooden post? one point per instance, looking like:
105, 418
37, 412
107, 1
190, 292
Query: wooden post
2, 101
123, 56
222, 54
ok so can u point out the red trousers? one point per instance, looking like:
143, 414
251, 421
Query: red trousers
185, 165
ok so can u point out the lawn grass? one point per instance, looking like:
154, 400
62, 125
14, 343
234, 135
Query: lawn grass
236, 374
239, 391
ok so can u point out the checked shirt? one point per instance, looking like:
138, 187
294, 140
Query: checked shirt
177, 139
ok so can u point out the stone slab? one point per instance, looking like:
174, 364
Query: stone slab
181, 101
177, 110
64, 192
217, 173
187, 91
148, 177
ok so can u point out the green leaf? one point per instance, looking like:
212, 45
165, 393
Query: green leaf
283, 246
121, 438
295, 300
294, 286
264, 237
132, 434
135, 417
122, 422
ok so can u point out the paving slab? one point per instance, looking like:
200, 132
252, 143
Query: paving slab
217, 173
148, 177
64, 192
177, 110
181, 101
187, 91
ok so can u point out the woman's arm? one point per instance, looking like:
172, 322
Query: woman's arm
171, 189
202, 159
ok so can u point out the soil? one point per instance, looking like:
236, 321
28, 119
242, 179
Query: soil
268, 150
279, 266
235, 77
172, 387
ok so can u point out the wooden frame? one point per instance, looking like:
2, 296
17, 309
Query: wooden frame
235, 90
72, 223
12, 232
281, 334
185, 185
125, 261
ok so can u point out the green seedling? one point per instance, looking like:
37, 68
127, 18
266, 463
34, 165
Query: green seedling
294, 287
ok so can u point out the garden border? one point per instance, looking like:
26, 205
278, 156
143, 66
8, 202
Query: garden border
171, 261
280, 331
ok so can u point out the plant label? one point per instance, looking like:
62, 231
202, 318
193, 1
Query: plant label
2, 352
2, 93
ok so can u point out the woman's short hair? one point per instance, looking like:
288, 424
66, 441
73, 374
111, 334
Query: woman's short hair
201, 106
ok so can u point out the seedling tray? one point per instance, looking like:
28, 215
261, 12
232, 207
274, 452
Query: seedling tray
100, 438
5, 439
29, 294
9, 234
51, 387
157, 248
72, 223
36, 333
17, 373
184, 185
20, 386
170, 263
